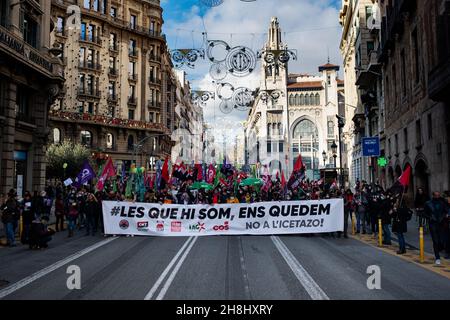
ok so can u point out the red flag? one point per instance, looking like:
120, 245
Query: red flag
299, 163
406, 175
108, 171
199, 172
165, 170
283, 179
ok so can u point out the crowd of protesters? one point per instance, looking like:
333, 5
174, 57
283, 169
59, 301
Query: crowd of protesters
80, 208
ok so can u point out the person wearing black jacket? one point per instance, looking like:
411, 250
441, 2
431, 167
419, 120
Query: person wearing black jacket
400, 217
40, 235
27, 217
436, 210
37, 203
419, 203
386, 218
91, 210
10, 213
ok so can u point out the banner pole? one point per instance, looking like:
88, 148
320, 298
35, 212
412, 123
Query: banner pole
421, 245
380, 233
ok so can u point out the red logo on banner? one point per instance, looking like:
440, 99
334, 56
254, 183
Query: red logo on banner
175, 226
223, 227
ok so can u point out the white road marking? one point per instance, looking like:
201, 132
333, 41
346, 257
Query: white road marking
313, 289
166, 271
175, 271
39, 274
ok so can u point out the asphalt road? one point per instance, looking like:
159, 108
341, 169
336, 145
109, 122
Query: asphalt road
218, 267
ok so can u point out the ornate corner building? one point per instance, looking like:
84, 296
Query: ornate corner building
120, 91
30, 79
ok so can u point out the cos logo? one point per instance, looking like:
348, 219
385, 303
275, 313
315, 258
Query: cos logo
223, 227
124, 224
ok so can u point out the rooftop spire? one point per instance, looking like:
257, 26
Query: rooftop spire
274, 42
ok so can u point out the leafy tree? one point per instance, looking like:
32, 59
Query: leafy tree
68, 152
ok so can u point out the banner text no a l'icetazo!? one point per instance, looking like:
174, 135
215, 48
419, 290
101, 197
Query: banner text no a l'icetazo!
257, 218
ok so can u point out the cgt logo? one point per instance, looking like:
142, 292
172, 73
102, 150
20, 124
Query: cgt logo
124, 224
198, 227
142, 225
223, 227
160, 226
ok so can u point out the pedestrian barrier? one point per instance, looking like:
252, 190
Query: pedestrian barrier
421, 245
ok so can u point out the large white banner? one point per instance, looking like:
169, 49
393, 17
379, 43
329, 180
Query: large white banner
152, 219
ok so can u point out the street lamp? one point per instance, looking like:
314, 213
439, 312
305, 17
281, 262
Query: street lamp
324, 156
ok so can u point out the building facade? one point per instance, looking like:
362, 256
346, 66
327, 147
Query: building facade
119, 96
293, 114
30, 78
415, 53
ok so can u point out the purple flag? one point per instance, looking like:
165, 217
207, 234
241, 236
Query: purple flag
86, 174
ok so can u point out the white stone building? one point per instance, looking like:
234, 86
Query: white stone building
292, 114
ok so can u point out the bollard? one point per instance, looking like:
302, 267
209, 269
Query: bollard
380, 233
421, 245
20, 226
353, 225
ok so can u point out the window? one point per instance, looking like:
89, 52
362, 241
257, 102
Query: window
152, 26
80, 105
56, 135
151, 117
83, 31
113, 41
90, 58
82, 56
329, 79
132, 92
269, 147
307, 100
130, 114
305, 129
60, 25
22, 99
418, 133
330, 129
90, 85
280, 147
403, 61
109, 141
317, 99
302, 100
291, 100
130, 142
312, 99
132, 47
103, 6
112, 89
370, 46
132, 69
30, 31
4, 8
95, 5
113, 12
133, 21
430, 127
91, 31
87, 4
82, 79
368, 12
405, 138
86, 138
416, 55
90, 107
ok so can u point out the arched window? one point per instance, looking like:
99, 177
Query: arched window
317, 99
306, 100
291, 100
86, 138
297, 100
305, 129
330, 128
302, 100
269, 127
56, 135
130, 142
312, 99
109, 141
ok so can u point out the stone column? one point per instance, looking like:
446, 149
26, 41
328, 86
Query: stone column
39, 141
8, 132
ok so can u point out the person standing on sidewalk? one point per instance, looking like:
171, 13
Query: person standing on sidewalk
419, 203
386, 217
27, 217
10, 211
436, 210
91, 210
59, 212
72, 216
400, 217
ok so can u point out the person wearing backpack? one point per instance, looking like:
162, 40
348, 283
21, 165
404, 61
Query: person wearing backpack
401, 214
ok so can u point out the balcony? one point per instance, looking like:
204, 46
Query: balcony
154, 104
89, 65
366, 78
154, 58
133, 52
91, 39
132, 77
153, 80
112, 97
76, 117
132, 101
96, 94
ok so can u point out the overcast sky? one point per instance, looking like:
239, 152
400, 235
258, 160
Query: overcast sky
309, 26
